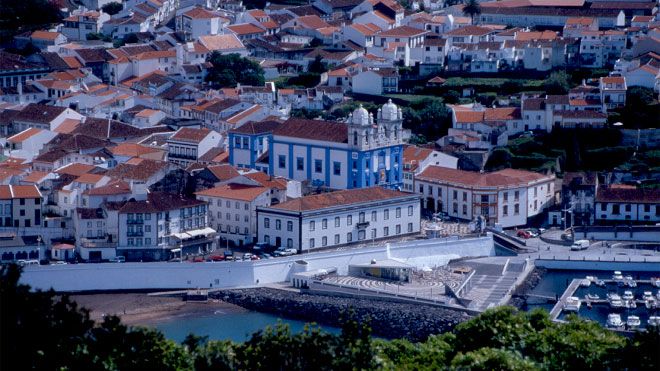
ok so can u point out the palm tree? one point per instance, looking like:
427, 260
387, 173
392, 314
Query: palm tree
472, 8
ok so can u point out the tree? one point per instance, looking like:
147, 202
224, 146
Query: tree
317, 65
112, 8
472, 8
557, 83
230, 69
17, 16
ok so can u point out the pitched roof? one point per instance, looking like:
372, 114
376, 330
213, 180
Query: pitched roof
234, 192
39, 113
116, 187
75, 168
132, 150
627, 195
159, 201
268, 181
327, 131
8, 192
201, 13
24, 135
142, 169
469, 179
245, 29
191, 135
403, 31
221, 42
223, 172
258, 127
340, 198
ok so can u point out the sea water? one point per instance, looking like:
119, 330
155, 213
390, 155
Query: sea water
227, 326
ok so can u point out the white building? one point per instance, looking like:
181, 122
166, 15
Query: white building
187, 145
162, 226
616, 204
79, 24
507, 197
232, 210
339, 218
198, 22
417, 159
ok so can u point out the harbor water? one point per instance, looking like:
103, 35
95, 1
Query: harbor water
233, 326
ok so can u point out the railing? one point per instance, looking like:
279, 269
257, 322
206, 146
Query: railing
134, 234
134, 221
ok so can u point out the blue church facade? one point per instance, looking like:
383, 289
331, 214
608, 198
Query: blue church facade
361, 152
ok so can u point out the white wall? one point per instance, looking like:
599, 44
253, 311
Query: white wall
125, 276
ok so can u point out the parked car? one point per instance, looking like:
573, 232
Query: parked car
247, 256
175, 260
255, 257
265, 256
523, 234
119, 259
58, 263
217, 258
532, 233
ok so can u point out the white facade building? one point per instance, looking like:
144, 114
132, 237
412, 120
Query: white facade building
232, 210
507, 197
339, 218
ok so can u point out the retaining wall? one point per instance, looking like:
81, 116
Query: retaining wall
142, 276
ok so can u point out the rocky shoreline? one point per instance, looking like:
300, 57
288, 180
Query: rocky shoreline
519, 297
414, 322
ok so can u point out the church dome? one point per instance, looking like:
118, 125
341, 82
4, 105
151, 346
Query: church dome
390, 111
360, 116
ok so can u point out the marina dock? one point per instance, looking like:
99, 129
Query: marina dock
575, 285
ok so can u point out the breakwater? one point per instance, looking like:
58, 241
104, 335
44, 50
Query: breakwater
414, 322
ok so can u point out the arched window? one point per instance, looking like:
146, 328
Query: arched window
355, 138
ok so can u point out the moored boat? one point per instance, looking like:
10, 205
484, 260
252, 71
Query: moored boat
617, 276
614, 320
633, 322
572, 304
654, 321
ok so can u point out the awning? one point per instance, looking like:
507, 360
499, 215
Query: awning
194, 233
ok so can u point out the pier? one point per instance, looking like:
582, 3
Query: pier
575, 284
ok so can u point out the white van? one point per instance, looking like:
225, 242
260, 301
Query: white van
580, 245
24, 263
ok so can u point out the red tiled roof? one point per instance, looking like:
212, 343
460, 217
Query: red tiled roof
223, 172
116, 187
326, 131
8, 192
469, 179
403, 31
627, 195
234, 192
192, 135
268, 180
76, 169
341, 198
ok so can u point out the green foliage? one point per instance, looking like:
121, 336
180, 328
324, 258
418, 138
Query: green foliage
472, 8
557, 83
43, 331
230, 69
488, 359
428, 117
306, 113
98, 36
641, 110
112, 8
317, 65
17, 16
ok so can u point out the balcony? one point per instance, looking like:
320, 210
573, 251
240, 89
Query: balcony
135, 234
134, 221
182, 156
362, 225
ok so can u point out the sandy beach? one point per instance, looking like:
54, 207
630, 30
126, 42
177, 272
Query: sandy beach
141, 309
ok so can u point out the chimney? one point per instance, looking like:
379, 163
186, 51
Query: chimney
19, 88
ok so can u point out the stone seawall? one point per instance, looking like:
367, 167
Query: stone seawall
388, 319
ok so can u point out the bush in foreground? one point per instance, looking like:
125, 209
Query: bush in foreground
41, 330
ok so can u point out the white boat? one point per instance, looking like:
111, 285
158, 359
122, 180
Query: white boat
591, 278
655, 281
614, 320
593, 297
647, 295
585, 283
629, 304
617, 276
657, 295
630, 282
628, 295
654, 321
572, 304
650, 303
600, 283
633, 322
615, 300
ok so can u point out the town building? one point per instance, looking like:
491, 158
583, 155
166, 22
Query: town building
20, 207
162, 227
617, 204
187, 145
507, 197
362, 152
232, 211
339, 218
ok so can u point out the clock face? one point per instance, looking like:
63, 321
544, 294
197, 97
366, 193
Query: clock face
381, 136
